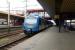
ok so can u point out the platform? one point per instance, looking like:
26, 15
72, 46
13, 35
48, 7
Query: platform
50, 39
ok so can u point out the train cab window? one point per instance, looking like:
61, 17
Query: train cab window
31, 20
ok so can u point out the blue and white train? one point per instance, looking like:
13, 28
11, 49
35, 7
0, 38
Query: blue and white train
33, 23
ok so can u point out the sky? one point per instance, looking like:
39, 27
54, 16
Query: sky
19, 5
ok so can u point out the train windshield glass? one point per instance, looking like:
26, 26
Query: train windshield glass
31, 21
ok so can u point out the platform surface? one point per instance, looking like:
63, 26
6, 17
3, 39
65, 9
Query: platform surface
50, 39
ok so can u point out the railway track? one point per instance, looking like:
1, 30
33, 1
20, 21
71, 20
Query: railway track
10, 33
6, 38
4, 42
13, 44
4, 31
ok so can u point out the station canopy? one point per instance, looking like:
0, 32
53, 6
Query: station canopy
18, 6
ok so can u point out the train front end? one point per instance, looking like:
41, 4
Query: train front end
31, 24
